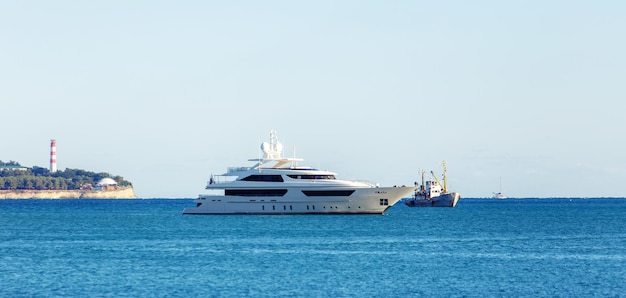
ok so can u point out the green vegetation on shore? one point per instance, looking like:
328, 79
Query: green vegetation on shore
15, 177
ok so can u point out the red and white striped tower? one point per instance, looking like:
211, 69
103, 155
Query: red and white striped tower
53, 156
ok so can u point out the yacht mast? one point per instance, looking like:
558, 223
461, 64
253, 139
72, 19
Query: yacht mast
445, 180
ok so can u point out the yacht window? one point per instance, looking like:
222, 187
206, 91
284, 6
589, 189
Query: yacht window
264, 178
313, 177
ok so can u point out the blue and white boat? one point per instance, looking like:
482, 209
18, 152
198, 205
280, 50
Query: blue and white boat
432, 194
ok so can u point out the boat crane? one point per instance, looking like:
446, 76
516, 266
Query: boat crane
445, 180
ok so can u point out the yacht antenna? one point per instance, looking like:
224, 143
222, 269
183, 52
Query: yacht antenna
275, 147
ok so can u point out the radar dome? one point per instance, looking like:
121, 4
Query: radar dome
265, 147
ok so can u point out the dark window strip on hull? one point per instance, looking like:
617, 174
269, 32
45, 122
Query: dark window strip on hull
328, 193
256, 192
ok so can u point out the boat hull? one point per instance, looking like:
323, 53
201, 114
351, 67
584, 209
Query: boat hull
375, 200
444, 200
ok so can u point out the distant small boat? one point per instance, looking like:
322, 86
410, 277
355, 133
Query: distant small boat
499, 195
432, 194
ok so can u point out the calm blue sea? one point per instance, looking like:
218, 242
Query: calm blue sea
147, 248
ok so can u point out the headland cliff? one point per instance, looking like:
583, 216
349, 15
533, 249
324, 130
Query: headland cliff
19, 182
109, 193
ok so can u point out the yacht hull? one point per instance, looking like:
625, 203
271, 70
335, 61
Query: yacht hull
374, 200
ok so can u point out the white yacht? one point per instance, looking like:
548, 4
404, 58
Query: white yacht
277, 185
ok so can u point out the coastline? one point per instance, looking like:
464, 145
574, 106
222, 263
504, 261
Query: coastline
112, 193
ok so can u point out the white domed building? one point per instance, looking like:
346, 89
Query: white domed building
106, 182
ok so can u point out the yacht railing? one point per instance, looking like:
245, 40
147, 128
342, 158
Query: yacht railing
237, 169
217, 179
368, 182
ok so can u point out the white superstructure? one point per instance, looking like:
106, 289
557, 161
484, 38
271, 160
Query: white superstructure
276, 185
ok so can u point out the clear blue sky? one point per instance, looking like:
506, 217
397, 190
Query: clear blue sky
165, 93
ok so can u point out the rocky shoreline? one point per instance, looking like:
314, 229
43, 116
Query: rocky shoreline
114, 193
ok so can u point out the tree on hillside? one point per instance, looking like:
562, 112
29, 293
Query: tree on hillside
10, 163
39, 171
41, 178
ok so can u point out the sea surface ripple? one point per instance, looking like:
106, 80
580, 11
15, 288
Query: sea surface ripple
147, 248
